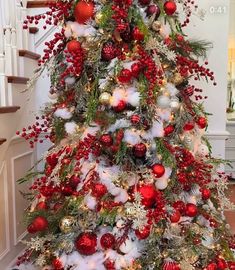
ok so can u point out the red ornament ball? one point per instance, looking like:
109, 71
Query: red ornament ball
139, 150
40, 223
74, 181
84, 11
41, 206
171, 265
57, 264
206, 194
106, 140
211, 266
144, 2
73, 46
107, 241
143, 233
109, 51
52, 160
86, 243
221, 264
191, 210
201, 122
188, 126
135, 119
120, 107
31, 228
153, 10
148, 194
137, 34
125, 76
158, 170
170, 7
168, 130
175, 217
136, 69
99, 190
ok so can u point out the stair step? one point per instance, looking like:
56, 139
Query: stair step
33, 29
2, 140
29, 54
39, 4
9, 109
19, 80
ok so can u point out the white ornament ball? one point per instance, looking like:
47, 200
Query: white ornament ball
52, 96
127, 246
202, 150
161, 184
174, 104
163, 102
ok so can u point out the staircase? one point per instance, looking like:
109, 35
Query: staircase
18, 60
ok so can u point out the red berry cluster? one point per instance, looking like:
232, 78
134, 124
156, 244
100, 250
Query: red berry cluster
158, 213
32, 133
120, 14
24, 258
188, 6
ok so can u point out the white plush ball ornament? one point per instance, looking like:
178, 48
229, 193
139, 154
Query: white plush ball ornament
174, 104
163, 102
127, 246
161, 184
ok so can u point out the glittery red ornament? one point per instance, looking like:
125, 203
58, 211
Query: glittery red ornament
109, 51
191, 210
135, 119
106, 140
168, 130
158, 170
139, 150
148, 194
109, 265
144, 2
99, 190
86, 243
206, 194
143, 233
188, 126
180, 206
137, 34
40, 223
170, 7
84, 11
41, 206
73, 46
52, 160
125, 76
107, 241
136, 69
201, 122
120, 107
175, 217
57, 264
171, 265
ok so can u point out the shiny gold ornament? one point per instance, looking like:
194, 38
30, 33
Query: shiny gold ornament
98, 17
177, 79
66, 224
104, 98
156, 26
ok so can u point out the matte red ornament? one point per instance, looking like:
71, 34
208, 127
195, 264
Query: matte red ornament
40, 223
148, 194
120, 107
201, 122
106, 139
109, 51
168, 130
206, 194
188, 126
99, 190
125, 76
137, 34
175, 217
158, 170
191, 210
84, 11
143, 233
135, 119
86, 243
107, 241
139, 150
41, 206
171, 265
57, 264
73, 46
170, 7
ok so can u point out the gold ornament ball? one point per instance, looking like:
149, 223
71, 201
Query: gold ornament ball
156, 26
105, 98
66, 224
177, 79
98, 17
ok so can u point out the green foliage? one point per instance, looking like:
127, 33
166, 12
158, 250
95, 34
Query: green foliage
199, 47
167, 157
59, 129
29, 176
121, 154
106, 12
108, 217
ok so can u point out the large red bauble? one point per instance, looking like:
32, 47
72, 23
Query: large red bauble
120, 107
158, 170
135, 69
125, 76
139, 150
143, 233
86, 243
206, 194
175, 217
137, 34
73, 46
84, 11
170, 7
57, 264
153, 9
107, 241
148, 194
40, 223
168, 130
171, 265
99, 190
41, 206
201, 122
191, 210
106, 139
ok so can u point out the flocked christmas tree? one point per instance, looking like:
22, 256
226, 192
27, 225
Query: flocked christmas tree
129, 182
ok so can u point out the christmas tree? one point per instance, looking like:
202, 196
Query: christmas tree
130, 182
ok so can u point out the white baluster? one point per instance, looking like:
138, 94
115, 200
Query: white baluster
15, 53
25, 32
19, 25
